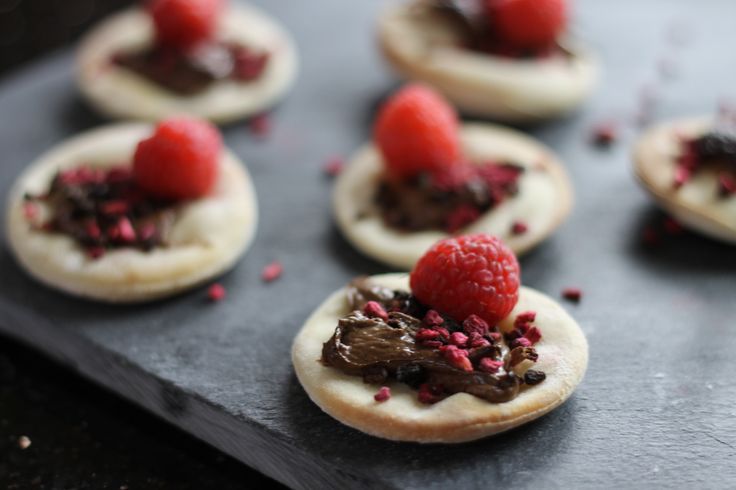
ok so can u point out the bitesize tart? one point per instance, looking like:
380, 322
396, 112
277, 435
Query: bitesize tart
217, 61
378, 358
97, 216
689, 167
489, 58
427, 177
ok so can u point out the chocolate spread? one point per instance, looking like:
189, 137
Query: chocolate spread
102, 209
189, 73
379, 349
421, 203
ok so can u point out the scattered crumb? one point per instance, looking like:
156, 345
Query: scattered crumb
604, 134
216, 292
24, 442
272, 271
519, 228
334, 166
260, 125
572, 294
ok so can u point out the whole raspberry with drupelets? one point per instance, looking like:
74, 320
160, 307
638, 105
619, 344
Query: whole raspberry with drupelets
180, 160
183, 24
468, 275
417, 132
527, 24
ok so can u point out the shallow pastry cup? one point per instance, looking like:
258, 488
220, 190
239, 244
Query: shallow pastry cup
422, 46
544, 199
120, 93
563, 356
696, 204
207, 237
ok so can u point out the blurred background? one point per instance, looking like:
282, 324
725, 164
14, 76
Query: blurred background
29, 28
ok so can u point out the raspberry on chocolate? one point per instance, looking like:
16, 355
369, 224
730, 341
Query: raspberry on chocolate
468, 275
527, 24
182, 24
417, 131
180, 160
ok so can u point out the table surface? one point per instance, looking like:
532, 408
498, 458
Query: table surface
656, 406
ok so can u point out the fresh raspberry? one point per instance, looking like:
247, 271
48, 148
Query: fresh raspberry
182, 24
417, 131
180, 160
472, 274
527, 24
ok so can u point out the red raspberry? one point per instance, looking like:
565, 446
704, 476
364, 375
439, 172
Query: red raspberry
180, 160
466, 275
527, 24
182, 24
417, 131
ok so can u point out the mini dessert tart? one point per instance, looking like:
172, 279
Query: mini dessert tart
689, 167
199, 57
427, 177
120, 215
505, 59
450, 354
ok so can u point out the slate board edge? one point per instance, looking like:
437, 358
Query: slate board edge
246, 442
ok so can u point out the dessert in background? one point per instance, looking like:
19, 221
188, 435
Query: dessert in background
689, 168
511, 60
207, 58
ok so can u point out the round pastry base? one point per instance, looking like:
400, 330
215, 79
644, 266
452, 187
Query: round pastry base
563, 356
544, 199
207, 237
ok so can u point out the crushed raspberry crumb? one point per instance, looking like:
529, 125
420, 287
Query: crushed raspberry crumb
444, 333
524, 318
475, 325
726, 185
216, 292
459, 339
533, 335
429, 394
433, 344
384, 393
272, 271
477, 340
260, 125
123, 231
605, 134
433, 319
519, 228
672, 226
521, 342
682, 176
489, 365
95, 252
457, 357
373, 309
496, 336
572, 294
424, 334
30, 211
334, 166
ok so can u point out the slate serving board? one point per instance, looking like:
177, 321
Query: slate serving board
657, 405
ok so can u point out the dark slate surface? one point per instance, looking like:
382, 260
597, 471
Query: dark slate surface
657, 405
